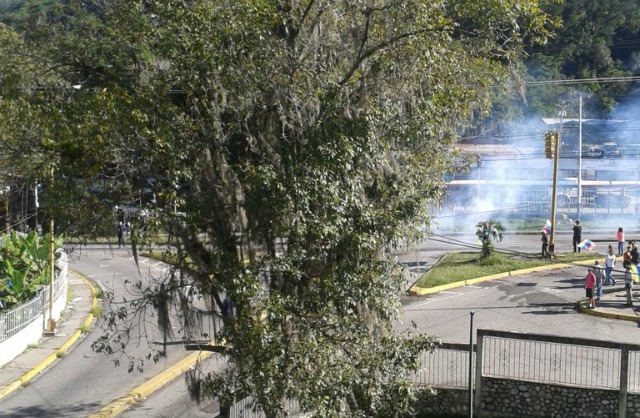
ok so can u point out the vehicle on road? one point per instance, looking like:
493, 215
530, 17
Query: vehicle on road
604, 150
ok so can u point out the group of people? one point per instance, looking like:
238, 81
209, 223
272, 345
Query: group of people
599, 275
577, 239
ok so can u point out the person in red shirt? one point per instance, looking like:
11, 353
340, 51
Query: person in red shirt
620, 239
590, 283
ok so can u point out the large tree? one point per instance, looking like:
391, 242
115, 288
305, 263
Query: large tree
292, 145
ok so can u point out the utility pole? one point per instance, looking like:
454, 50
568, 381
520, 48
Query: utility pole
552, 150
471, 366
7, 196
579, 161
51, 323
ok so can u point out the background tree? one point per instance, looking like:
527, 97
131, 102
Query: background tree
293, 144
21, 125
597, 40
489, 232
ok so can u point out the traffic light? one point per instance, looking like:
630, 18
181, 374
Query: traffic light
549, 144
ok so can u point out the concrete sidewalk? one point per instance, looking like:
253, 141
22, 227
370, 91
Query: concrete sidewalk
613, 304
75, 320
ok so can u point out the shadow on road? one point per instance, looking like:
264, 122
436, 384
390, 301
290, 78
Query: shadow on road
42, 411
565, 308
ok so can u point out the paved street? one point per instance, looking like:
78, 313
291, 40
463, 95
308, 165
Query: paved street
83, 381
542, 302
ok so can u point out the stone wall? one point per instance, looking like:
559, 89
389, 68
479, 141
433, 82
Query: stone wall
446, 402
633, 406
529, 399
510, 398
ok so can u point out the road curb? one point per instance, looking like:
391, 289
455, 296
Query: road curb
421, 291
122, 404
582, 308
60, 351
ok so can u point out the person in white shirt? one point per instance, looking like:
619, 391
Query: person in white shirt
609, 264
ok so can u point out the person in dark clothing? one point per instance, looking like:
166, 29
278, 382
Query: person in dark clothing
577, 236
119, 214
634, 253
120, 234
626, 257
545, 245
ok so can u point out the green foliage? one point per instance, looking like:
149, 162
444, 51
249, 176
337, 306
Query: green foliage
591, 43
24, 267
489, 232
293, 145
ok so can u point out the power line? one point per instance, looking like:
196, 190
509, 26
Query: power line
577, 81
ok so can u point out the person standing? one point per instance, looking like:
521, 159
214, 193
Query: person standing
635, 257
577, 236
545, 245
120, 234
598, 271
626, 257
628, 284
609, 264
590, 283
620, 239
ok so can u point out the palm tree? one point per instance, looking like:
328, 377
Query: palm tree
488, 232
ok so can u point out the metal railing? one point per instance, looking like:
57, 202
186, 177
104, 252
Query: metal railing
560, 360
19, 317
246, 408
549, 362
446, 367
535, 358
634, 372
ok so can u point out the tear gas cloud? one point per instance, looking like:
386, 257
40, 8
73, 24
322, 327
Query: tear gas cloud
514, 179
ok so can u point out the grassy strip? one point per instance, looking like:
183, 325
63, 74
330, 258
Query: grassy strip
456, 267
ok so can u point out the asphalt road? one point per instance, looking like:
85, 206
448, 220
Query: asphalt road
84, 381
542, 302
535, 303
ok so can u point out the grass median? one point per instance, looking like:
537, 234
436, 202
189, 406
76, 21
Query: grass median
461, 266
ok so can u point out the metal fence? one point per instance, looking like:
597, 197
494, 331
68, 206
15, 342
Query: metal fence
634, 372
245, 408
21, 316
550, 362
446, 367
536, 358
560, 360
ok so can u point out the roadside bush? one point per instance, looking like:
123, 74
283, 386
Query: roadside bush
24, 266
